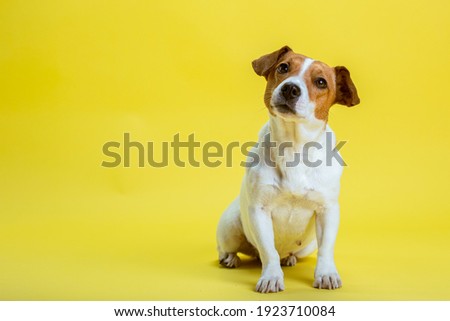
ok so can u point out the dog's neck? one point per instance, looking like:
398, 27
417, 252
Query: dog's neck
296, 132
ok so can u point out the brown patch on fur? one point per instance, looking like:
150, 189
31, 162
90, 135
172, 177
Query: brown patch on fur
323, 97
340, 88
264, 65
346, 93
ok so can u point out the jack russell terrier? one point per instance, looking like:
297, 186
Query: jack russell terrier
287, 209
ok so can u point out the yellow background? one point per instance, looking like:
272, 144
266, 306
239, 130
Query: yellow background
77, 74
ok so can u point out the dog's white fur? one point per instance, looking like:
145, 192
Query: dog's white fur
284, 213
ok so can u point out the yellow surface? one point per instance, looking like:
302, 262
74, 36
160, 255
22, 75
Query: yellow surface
77, 74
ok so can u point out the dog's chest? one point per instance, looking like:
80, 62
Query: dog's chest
296, 197
292, 218
301, 184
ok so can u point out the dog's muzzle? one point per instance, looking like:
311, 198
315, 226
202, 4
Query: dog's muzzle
288, 97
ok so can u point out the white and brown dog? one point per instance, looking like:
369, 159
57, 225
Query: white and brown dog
286, 211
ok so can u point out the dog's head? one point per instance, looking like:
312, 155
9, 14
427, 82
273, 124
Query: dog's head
301, 88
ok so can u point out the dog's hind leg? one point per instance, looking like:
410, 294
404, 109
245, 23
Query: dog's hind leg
231, 238
290, 260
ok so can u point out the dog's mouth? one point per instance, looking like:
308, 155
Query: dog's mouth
288, 112
284, 109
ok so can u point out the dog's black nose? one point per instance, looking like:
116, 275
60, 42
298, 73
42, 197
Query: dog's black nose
290, 91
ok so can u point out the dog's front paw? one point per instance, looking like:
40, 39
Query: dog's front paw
271, 281
270, 285
326, 275
330, 281
230, 260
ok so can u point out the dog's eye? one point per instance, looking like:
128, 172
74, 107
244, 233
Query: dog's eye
321, 83
283, 68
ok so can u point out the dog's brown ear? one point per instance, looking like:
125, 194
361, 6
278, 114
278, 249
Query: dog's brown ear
264, 64
346, 93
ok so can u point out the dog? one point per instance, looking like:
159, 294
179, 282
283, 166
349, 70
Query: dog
287, 209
